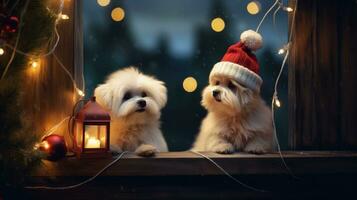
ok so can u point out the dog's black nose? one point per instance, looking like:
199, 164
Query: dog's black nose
141, 103
215, 93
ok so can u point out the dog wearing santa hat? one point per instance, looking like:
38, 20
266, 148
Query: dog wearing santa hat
238, 119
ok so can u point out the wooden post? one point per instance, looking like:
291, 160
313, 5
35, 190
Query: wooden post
49, 90
322, 71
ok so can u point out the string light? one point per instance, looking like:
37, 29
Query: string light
35, 63
277, 102
64, 16
284, 49
80, 92
281, 51
43, 145
287, 9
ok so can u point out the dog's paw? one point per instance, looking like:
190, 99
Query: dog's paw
146, 150
255, 149
223, 148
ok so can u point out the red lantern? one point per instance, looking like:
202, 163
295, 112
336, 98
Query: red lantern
91, 130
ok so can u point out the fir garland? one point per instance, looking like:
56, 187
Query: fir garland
17, 138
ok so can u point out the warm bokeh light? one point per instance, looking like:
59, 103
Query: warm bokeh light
80, 92
277, 103
103, 2
281, 51
34, 64
217, 24
189, 84
45, 145
118, 14
64, 17
92, 143
2, 51
253, 7
288, 9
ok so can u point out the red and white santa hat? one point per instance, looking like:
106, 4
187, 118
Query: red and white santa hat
240, 63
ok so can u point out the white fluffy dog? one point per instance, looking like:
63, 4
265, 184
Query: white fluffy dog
238, 119
135, 101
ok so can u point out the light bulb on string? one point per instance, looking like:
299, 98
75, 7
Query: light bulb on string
288, 9
284, 49
285, 8
80, 92
281, 51
64, 16
277, 102
34, 63
2, 51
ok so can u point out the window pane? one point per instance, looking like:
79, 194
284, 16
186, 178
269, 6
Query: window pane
179, 41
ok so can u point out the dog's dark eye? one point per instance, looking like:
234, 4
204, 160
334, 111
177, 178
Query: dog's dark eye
127, 96
217, 82
143, 94
231, 86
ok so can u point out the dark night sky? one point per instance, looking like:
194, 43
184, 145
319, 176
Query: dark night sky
177, 19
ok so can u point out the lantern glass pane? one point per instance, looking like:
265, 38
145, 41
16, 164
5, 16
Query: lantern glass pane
79, 134
95, 136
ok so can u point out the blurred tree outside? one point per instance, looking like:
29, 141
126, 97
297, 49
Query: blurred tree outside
113, 45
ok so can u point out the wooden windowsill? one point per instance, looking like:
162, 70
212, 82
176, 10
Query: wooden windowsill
190, 164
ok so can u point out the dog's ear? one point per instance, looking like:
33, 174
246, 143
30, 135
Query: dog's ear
104, 95
160, 93
246, 95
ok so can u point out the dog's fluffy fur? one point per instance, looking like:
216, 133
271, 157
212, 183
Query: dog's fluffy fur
135, 101
237, 119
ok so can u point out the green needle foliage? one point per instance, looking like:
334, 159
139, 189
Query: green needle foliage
17, 138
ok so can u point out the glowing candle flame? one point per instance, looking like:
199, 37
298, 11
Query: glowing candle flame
92, 143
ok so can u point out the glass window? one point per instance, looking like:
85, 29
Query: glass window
179, 41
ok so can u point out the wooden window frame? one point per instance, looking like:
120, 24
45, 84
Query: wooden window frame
189, 164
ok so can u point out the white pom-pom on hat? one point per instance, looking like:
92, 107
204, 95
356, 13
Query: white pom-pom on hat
252, 40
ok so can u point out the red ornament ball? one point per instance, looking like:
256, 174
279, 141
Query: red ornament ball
11, 24
54, 146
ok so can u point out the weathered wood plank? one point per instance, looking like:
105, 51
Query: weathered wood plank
205, 187
188, 164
